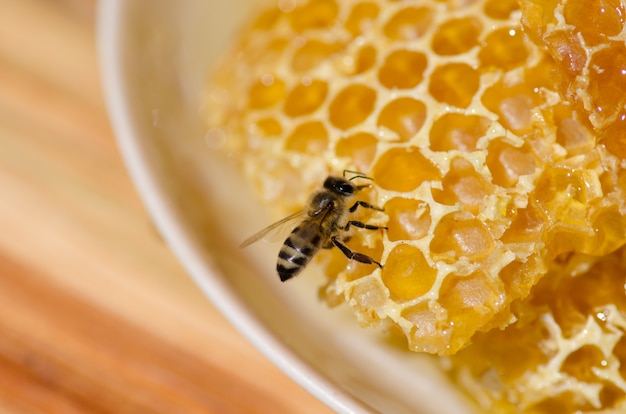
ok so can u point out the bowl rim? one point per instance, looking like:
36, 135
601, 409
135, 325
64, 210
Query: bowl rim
110, 45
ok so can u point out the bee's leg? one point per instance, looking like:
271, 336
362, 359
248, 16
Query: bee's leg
362, 225
330, 244
365, 205
359, 257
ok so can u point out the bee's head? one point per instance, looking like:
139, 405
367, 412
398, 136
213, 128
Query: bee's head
340, 186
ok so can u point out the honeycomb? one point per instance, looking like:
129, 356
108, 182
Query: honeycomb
494, 131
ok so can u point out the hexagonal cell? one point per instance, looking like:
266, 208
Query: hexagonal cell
462, 184
402, 69
454, 131
454, 84
404, 169
351, 106
404, 116
409, 23
266, 92
470, 301
504, 48
305, 98
513, 104
360, 17
580, 363
363, 59
460, 235
359, 147
596, 20
407, 274
315, 14
607, 87
408, 219
507, 163
457, 36
309, 137
313, 53
571, 132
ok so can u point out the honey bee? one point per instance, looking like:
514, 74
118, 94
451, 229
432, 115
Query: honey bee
324, 224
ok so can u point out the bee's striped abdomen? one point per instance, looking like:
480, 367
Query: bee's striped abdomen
297, 251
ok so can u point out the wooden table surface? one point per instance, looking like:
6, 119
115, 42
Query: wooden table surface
96, 314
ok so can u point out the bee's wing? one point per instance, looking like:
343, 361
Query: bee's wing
274, 230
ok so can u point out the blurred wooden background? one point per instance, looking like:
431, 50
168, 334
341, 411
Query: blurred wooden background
96, 315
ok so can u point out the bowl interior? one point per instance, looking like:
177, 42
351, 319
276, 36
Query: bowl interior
156, 55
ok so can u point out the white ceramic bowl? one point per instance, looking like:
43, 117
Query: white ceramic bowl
155, 56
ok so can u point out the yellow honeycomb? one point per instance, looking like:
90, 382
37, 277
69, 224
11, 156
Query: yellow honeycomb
494, 131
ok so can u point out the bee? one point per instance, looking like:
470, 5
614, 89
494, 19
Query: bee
323, 224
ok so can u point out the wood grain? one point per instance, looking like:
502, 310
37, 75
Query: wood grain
96, 315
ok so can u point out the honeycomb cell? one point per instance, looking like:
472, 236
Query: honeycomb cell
470, 301
454, 131
561, 192
526, 226
404, 169
519, 277
455, 84
462, 184
361, 16
430, 332
351, 106
580, 363
315, 14
268, 127
407, 279
404, 116
266, 92
565, 47
408, 219
609, 234
571, 133
313, 53
513, 104
607, 88
402, 69
457, 36
363, 60
504, 48
309, 137
500, 9
305, 98
368, 295
459, 235
595, 19
409, 23
614, 138
360, 148
507, 163
537, 17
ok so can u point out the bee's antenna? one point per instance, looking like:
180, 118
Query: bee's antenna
357, 174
